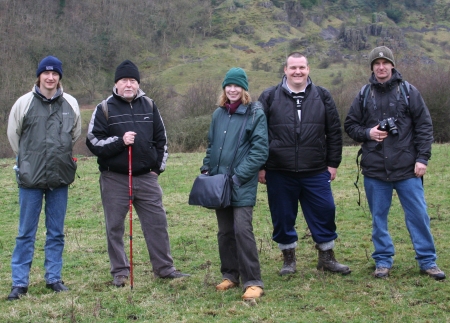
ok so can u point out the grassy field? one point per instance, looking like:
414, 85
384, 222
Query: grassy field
307, 296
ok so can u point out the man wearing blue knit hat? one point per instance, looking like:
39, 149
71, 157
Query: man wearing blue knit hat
43, 126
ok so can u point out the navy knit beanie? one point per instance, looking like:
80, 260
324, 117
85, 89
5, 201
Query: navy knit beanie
237, 76
127, 69
50, 63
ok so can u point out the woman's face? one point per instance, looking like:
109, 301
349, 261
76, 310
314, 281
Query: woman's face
233, 92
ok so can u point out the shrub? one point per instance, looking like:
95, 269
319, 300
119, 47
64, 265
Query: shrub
395, 14
189, 134
433, 83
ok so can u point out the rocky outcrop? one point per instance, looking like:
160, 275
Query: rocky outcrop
356, 38
294, 13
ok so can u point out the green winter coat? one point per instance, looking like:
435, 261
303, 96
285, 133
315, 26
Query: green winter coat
251, 155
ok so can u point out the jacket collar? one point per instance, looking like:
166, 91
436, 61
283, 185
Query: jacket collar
58, 93
286, 88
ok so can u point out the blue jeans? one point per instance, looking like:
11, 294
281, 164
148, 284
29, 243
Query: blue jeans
30, 201
411, 195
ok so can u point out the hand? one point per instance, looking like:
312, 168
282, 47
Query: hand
420, 169
378, 135
262, 176
128, 138
333, 172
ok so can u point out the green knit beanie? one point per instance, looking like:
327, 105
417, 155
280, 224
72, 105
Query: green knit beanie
237, 76
381, 52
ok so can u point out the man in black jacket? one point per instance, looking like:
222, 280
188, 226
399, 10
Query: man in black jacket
305, 150
130, 118
395, 128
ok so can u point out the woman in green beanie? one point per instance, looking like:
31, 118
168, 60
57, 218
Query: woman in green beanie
237, 245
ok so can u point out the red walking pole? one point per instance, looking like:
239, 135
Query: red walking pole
130, 186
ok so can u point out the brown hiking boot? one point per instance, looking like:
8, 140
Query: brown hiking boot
252, 292
381, 272
226, 284
329, 263
289, 263
434, 272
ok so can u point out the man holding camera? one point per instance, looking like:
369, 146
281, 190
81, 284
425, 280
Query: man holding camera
394, 125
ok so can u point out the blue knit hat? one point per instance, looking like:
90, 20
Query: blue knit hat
237, 76
50, 63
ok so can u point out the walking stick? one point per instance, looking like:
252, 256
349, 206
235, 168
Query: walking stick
130, 186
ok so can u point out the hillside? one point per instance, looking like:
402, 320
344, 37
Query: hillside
257, 35
184, 47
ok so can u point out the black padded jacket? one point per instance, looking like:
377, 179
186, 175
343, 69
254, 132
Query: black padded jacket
308, 147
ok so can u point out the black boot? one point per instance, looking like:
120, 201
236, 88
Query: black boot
329, 263
17, 292
289, 264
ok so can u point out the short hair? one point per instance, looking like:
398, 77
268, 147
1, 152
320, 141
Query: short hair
296, 55
245, 98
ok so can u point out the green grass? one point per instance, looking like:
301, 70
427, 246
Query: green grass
307, 296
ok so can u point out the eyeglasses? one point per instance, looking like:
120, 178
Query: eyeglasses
126, 80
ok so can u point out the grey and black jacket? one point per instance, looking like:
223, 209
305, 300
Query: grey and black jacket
42, 133
307, 147
105, 136
395, 158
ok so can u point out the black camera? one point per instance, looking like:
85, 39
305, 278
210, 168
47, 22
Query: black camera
388, 124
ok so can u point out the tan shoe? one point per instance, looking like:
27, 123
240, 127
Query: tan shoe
226, 284
381, 272
434, 272
252, 292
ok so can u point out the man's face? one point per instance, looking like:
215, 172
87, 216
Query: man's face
297, 71
127, 88
48, 80
382, 68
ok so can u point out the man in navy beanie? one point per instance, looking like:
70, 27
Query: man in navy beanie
129, 118
42, 128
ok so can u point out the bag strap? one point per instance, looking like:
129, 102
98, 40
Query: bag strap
357, 176
249, 107
320, 90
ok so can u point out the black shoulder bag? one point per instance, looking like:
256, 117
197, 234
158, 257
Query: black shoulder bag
214, 192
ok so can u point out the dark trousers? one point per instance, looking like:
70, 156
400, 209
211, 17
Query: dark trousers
285, 190
237, 246
147, 200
